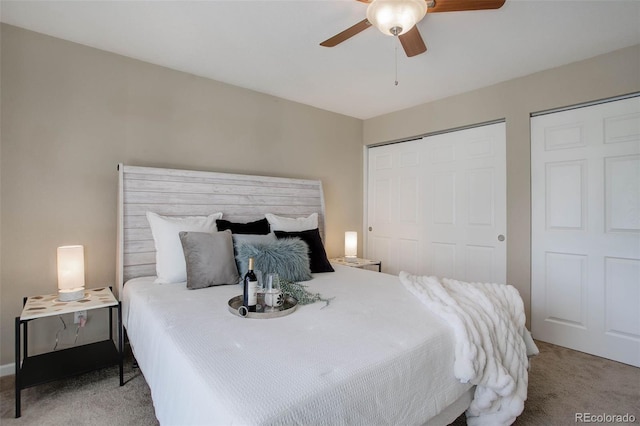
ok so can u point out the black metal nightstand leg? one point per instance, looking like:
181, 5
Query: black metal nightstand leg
17, 379
120, 344
111, 323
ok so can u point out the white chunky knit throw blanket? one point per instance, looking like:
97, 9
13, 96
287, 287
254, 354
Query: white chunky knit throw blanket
492, 342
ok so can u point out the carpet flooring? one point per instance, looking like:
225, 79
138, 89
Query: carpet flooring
562, 382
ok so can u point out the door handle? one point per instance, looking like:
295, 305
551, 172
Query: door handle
501, 237
370, 228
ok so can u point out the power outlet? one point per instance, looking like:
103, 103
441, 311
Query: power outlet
77, 315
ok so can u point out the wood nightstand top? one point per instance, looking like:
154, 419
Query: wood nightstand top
356, 262
49, 305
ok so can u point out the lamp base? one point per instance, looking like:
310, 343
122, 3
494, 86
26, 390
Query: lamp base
71, 295
351, 259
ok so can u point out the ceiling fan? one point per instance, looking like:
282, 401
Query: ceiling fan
399, 18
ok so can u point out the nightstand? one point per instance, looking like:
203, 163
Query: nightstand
357, 262
42, 368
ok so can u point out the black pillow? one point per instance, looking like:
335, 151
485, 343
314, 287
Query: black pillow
259, 227
317, 255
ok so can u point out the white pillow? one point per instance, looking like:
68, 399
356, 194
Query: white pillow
279, 223
170, 264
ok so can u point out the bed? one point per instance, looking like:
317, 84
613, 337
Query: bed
374, 355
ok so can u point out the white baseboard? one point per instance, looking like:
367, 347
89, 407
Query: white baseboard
7, 369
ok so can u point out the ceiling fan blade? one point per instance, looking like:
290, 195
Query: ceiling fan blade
412, 42
346, 34
461, 5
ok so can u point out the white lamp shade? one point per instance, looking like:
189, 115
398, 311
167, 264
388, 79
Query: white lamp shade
71, 270
350, 244
396, 17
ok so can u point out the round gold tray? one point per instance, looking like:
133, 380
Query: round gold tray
290, 304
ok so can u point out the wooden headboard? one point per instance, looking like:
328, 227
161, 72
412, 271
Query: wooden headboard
171, 192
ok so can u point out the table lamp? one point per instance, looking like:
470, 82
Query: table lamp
70, 273
350, 246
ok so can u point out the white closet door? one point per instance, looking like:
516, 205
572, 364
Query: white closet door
437, 206
395, 199
466, 216
585, 170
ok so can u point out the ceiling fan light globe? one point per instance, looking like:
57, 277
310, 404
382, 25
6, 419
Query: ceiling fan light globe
395, 17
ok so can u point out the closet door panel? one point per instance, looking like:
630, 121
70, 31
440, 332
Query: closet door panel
585, 254
444, 205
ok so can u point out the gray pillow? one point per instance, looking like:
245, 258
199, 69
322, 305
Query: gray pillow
209, 258
287, 257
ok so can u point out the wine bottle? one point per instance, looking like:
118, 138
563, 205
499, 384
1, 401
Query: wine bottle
250, 289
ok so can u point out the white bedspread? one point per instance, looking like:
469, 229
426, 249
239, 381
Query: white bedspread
374, 356
488, 321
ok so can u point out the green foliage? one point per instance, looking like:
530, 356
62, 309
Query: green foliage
301, 294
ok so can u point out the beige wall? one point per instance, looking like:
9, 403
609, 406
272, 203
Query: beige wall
70, 113
604, 76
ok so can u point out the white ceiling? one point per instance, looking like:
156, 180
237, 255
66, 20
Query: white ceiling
272, 46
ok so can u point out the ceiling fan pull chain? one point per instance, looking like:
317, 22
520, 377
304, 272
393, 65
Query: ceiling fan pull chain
396, 64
